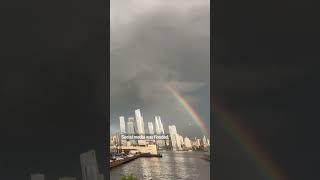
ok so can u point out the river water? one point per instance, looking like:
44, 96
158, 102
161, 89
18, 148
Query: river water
172, 166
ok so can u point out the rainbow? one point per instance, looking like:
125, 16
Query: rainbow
262, 159
195, 116
229, 121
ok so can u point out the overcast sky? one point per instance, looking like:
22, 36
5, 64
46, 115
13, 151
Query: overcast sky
154, 43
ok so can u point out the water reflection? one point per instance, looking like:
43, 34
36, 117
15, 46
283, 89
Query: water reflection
173, 165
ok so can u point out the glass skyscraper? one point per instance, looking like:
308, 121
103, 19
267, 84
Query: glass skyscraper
159, 126
140, 126
150, 126
122, 125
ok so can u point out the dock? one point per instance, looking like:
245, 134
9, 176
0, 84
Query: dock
128, 159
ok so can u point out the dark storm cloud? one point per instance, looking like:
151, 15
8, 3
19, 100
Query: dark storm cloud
154, 44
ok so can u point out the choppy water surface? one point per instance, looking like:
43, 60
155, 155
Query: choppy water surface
172, 165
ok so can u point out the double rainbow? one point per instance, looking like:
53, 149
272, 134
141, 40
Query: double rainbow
262, 159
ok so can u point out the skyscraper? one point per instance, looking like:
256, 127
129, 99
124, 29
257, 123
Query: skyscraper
204, 141
130, 125
181, 140
175, 139
150, 126
89, 166
179, 143
122, 125
139, 122
187, 143
131, 129
37, 176
123, 130
159, 126
198, 143
140, 126
159, 130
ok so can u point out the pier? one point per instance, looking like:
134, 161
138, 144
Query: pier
116, 163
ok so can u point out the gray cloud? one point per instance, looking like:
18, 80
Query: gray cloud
154, 44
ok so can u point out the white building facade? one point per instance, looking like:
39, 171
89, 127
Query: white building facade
140, 126
175, 138
122, 125
150, 126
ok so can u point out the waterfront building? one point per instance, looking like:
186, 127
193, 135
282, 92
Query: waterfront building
159, 125
122, 125
198, 143
175, 139
187, 143
150, 126
204, 141
123, 130
173, 132
159, 130
140, 126
131, 130
181, 140
179, 145
130, 126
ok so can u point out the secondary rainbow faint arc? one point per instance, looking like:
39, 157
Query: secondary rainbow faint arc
196, 117
262, 159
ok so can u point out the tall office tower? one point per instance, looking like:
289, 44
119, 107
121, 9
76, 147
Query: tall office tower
159, 130
37, 176
89, 166
159, 126
131, 129
198, 143
67, 178
150, 126
140, 126
204, 141
178, 141
122, 125
139, 122
187, 143
123, 130
175, 140
181, 140
130, 125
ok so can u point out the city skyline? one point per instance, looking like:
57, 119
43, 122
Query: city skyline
176, 141
158, 128
132, 116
